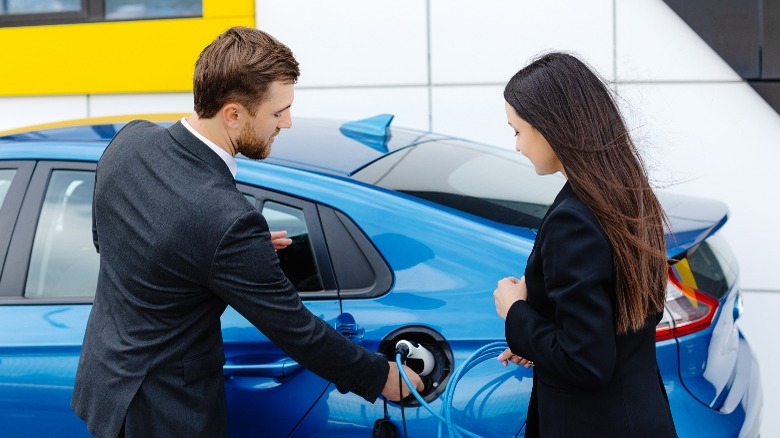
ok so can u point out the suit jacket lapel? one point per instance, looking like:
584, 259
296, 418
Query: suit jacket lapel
199, 149
565, 193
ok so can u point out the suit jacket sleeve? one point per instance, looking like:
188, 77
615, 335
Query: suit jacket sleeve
245, 273
578, 346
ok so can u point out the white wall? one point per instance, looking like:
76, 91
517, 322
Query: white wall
442, 65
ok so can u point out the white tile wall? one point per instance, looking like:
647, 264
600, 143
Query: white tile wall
16, 112
351, 42
409, 105
707, 127
112, 104
488, 41
655, 44
718, 140
472, 112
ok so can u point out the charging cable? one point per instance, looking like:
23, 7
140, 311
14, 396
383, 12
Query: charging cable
486, 352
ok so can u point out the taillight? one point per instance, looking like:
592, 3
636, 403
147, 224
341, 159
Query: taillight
688, 310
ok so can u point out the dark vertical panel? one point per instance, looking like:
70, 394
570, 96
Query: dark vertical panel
771, 44
770, 91
730, 27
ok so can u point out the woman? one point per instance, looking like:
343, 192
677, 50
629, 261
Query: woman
584, 314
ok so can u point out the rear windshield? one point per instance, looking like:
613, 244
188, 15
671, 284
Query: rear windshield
710, 267
489, 182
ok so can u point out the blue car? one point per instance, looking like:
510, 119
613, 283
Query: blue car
397, 235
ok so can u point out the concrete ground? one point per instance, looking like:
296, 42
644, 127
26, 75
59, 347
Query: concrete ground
759, 323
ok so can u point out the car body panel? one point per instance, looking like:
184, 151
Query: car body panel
692, 220
250, 392
39, 352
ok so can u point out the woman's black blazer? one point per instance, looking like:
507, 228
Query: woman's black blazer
588, 381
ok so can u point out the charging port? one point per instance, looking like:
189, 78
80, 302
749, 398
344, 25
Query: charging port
436, 380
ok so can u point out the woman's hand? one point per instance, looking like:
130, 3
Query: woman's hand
509, 291
507, 356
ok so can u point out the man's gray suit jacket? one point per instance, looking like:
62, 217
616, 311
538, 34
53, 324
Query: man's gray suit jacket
178, 243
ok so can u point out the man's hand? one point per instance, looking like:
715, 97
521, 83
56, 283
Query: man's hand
278, 238
509, 291
391, 386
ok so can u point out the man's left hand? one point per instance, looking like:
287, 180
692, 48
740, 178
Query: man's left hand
280, 240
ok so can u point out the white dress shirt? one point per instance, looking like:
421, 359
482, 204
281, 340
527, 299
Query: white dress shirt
229, 160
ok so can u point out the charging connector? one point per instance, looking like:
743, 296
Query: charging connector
412, 350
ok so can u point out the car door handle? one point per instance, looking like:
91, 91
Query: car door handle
277, 370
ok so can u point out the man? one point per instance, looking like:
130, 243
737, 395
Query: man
178, 243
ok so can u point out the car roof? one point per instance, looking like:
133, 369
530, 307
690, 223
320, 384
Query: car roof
328, 146
324, 146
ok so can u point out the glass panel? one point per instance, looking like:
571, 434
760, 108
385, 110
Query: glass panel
297, 260
713, 266
6, 176
64, 262
9, 7
138, 9
492, 183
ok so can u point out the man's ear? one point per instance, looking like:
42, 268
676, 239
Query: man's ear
231, 113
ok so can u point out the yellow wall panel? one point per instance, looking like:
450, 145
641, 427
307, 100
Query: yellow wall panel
145, 56
229, 8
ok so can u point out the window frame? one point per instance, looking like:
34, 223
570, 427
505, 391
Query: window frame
316, 237
17, 263
92, 11
9, 209
328, 228
344, 237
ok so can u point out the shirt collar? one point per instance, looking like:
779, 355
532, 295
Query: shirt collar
229, 160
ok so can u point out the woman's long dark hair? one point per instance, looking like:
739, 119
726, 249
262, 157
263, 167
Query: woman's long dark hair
573, 109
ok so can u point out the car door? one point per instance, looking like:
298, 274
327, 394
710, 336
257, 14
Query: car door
48, 280
269, 393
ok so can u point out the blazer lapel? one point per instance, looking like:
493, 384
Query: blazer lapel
565, 193
185, 138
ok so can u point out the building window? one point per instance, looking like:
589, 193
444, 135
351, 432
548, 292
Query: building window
15, 7
42, 12
141, 9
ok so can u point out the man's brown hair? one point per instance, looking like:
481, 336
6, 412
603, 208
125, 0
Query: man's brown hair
239, 66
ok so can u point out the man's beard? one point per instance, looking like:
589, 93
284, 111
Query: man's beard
250, 145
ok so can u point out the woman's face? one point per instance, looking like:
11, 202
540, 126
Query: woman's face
532, 144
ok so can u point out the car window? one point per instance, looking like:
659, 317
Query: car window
710, 267
297, 260
64, 262
6, 176
492, 183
